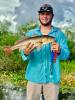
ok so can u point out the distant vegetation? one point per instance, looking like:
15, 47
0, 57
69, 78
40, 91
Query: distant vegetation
12, 66
71, 43
4, 27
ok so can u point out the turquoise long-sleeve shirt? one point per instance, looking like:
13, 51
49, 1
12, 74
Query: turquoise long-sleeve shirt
40, 63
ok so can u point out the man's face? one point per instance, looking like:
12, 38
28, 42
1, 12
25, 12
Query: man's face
45, 18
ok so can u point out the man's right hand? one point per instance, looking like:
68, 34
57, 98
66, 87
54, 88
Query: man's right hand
28, 48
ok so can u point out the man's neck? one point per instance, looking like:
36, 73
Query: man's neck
45, 29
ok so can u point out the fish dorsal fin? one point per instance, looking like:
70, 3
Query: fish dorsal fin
39, 47
25, 38
34, 35
19, 41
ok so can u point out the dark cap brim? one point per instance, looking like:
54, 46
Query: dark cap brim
45, 11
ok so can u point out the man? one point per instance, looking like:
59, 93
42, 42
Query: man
38, 69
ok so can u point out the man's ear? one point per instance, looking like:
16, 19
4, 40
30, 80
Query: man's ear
53, 15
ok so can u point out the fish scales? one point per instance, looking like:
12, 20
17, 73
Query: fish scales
36, 40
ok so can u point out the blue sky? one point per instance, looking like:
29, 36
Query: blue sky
26, 10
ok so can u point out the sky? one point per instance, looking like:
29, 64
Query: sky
22, 11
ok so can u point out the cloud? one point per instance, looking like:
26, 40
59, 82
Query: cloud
25, 10
7, 11
62, 8
8, 6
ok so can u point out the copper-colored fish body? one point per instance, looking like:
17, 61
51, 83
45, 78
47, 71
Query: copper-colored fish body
36, 40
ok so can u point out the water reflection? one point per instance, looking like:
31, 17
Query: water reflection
10, 92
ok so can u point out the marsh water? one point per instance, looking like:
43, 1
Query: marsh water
10, 92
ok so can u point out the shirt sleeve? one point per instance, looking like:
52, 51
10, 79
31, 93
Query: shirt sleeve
64, 50
23, 55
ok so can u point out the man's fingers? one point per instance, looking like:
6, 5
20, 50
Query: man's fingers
55, 46
31, 47
27, 45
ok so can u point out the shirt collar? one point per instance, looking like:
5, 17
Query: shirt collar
54, 29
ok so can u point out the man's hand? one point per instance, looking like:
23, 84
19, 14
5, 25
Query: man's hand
29, 47
55, 47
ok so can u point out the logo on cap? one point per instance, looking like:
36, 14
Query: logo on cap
46, 8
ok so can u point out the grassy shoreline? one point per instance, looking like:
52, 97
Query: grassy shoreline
67, 77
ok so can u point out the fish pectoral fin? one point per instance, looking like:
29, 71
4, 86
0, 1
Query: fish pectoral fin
39, 46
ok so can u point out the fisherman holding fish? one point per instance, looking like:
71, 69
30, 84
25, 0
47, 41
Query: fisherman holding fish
38, 69
43, 70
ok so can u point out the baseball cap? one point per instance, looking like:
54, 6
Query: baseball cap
46, 8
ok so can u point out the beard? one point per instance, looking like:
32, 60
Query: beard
46, 24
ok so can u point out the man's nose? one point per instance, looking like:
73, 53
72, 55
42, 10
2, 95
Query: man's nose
44, 15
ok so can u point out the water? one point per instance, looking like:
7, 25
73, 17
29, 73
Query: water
10, 92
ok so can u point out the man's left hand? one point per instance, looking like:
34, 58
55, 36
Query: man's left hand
55, 47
